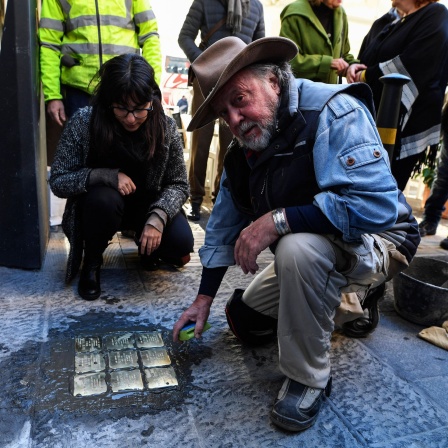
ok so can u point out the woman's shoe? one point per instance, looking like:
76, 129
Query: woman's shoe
89, 287
149, 262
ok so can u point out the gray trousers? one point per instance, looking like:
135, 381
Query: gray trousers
302, 289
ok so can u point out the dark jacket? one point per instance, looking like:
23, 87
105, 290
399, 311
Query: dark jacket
205, 14
415, 46
166, 178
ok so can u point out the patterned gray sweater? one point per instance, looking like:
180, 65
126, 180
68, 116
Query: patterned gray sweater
166, 178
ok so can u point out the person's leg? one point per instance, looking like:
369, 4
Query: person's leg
435, 204
310, 272
177, 238
200, 148
402, 170
225, 137
102, 210
177, 242
74, 99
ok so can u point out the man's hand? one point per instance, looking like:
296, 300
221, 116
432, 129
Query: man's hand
198, 312
354, 71
125, 184
56, 111
252, 240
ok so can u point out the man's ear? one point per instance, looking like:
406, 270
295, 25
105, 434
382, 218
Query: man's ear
273, 81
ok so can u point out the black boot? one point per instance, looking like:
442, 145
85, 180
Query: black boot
248, 325
89, 287
363, 326
195, 213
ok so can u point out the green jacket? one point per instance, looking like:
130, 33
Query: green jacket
76, 37
316, 50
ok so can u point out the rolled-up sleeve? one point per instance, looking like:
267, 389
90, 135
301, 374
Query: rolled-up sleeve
222, 231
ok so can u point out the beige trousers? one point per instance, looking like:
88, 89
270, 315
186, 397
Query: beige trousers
302, 289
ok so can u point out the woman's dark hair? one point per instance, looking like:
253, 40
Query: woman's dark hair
123, 79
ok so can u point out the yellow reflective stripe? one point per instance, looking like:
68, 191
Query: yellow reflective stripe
388, 135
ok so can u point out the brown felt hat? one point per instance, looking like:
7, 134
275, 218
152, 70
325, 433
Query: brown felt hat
218, 63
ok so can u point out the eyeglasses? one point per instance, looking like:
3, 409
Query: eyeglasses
122, 112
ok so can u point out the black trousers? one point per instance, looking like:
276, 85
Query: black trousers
105, 211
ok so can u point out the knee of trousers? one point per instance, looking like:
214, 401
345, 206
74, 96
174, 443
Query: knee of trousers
311, 254
248, 325
104, 201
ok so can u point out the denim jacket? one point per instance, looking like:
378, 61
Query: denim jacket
356, 190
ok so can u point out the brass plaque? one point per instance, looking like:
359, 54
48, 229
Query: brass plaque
160, 377
87, 344
155, 357
119, 341
126, 380
89, 362
89, 384
123, 359
149, 340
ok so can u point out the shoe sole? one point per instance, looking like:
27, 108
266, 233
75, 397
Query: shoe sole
290, 424
90, 297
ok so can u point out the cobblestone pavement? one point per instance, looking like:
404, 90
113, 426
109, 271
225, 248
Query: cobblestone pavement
389, 389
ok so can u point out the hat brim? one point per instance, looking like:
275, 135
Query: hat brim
266, 49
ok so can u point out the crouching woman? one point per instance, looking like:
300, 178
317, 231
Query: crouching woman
120, 164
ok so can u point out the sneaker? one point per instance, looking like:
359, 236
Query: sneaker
297, 406
427, 228
444, 244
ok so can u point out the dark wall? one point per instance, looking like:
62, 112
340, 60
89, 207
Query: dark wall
23, 187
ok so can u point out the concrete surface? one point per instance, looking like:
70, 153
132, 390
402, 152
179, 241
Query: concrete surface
389, 389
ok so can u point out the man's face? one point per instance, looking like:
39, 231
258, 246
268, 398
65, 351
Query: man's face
249, 106
333, 4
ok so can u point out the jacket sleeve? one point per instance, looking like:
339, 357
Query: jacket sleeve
223, 229
260, 30
346, 55
174, 187
425, 47
148, 35
69, 174
359, 194
190, 30
310, 66
51, 33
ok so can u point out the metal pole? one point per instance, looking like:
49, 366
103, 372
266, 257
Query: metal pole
389, 110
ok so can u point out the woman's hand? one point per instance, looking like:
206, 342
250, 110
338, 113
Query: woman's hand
354, 72
339, 65
149, 239
125, 184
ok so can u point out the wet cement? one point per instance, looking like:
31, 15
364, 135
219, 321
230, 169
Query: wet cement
38, 379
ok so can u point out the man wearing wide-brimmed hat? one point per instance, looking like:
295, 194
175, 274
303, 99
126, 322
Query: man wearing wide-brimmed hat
307, 176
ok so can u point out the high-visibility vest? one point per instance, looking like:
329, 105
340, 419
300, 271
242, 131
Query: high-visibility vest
77, 36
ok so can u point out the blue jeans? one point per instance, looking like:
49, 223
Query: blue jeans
435, 204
